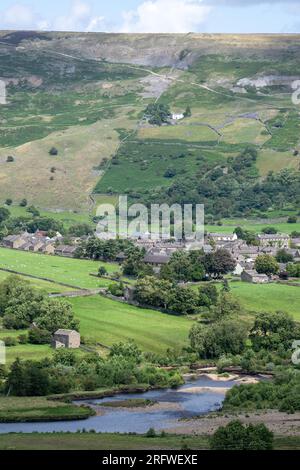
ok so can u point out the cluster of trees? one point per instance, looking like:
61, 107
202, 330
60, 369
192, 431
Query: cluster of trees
134, 264
272, 331
231, 190
106, 250
184, 300
249, 237
196, 266
293, 269
80, 230
264, 345
236, 436
183, 266
21, 305
66, 372
282, 394
158, 114
282, 256
10, 225
266, 264
225, 336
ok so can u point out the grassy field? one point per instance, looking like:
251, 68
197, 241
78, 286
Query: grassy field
268, 298
90, 441
66, 270
22, 409
271, 160
80, 118
49, 287
89, 108
253, 226
68, 218
26, 352
183, 132
108, 322
80, 153
244, 131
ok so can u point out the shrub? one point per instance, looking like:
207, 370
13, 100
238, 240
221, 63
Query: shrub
23, 203
23, 339
128, 350
10, 341
219, 338
151, 433
236, 436
170, 173
269, 230
39, 336
53, 151
116, 289
102, 271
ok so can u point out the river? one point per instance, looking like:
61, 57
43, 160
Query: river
196, 397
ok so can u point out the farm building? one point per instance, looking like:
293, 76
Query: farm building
13, 241
156, 260
65, 250
69, 339
253, 277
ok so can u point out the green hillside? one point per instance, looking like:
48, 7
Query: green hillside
87, 99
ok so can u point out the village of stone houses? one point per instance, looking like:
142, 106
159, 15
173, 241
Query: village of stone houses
149, 342
158, 253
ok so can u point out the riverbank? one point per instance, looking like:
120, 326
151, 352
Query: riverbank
279, 423
35, 410
101, 393
92, 441
79, 405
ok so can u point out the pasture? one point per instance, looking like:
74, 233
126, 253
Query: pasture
108, 322
268, 297
228, 226
49, 287
68, 218
189, 133
70, 271
15, 409
26, 352
272, 160
63, 181
244, 131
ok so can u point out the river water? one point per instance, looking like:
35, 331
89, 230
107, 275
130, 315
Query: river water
196, 397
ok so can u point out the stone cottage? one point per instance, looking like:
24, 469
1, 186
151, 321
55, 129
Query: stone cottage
253, 277
69, 339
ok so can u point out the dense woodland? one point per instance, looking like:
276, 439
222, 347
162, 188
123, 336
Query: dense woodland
232, 189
